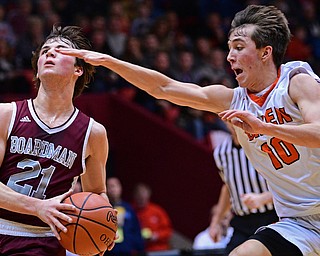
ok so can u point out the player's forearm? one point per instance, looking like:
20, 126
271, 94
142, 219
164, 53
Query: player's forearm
307, 135
15, 202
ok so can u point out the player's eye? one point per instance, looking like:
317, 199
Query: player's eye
43, 51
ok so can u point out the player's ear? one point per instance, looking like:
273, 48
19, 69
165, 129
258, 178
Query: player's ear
78, 70
266, 52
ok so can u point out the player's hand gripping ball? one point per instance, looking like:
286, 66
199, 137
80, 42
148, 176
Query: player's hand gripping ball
93, 227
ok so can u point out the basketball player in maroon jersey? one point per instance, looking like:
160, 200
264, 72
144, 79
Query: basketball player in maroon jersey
45, 145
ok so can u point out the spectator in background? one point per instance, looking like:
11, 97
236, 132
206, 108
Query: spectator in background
121, 10
132, 51
150, 47
29, 41
245, 193
130, 241
116, 38
11, 80
215, 69
202, 51
191, 120
215, 30
312, 21
143, 22
154, 220
162, 31
6, 69
6, 31
185, 69
203, 240
18, 16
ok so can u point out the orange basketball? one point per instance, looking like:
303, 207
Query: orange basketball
93, 226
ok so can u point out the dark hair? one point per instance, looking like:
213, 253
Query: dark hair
271, 28
73, 35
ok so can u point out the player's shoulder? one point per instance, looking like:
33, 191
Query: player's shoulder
301, 78
302, 83
6, 110
98, 138
98, 129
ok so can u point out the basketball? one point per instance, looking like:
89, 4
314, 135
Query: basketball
93, 226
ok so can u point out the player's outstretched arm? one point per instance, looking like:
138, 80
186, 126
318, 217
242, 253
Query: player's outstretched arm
214, 98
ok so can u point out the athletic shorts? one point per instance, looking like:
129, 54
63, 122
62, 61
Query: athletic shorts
302, 232
21, 239
31, 246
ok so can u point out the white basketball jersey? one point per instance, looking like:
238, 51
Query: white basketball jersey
292, 171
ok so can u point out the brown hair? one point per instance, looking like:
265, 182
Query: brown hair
73, 35
271, 28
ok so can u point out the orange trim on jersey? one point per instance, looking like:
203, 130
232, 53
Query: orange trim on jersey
261, 100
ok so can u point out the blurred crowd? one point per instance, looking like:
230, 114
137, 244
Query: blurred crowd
184, 39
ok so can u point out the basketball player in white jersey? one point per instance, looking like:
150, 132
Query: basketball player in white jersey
276, 113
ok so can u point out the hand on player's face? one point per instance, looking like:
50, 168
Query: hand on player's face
91, 57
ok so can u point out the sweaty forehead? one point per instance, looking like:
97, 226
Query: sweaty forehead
244, 31
59, 41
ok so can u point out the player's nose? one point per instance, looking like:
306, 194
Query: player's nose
51, 52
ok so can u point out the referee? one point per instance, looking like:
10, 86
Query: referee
244, 192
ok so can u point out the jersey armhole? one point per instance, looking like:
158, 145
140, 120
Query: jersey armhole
13, 117
85, 144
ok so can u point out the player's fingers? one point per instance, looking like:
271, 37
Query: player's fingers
58, 225
224, 115
55, 232
110, 247
70, 51
67, 194
63, 196
64, 217
66, 207
237, 122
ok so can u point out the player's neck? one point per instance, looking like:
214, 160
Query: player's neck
53, 112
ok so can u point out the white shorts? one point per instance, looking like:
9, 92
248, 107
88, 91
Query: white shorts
304, 232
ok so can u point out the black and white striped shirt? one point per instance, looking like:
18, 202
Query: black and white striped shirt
239, 175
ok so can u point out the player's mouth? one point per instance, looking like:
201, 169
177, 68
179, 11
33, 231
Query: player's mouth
49, 62
237, 71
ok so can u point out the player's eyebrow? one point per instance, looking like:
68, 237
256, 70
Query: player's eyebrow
57, 46
235, 40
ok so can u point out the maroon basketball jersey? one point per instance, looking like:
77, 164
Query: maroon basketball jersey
39, 161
